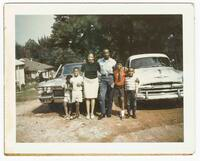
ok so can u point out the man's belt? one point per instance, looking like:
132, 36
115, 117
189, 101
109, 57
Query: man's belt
119, 86
106, 75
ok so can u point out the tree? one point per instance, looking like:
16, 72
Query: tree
19, 51
79, 33
124, 35
32, 49
73, 37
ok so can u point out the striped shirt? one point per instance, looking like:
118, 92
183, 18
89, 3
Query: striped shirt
131, 83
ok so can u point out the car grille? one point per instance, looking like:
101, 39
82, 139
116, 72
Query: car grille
162, 88
58, 93
46, 94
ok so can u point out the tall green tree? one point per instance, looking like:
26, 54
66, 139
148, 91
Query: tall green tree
32, 49
19, 51
81, 34
74, 36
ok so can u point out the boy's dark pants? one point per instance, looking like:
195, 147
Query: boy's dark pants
131, 101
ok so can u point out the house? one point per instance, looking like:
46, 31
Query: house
19, 73
33, 69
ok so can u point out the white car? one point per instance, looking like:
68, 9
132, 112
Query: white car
52, 91
158, 78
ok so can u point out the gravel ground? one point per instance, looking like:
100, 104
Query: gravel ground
38, 123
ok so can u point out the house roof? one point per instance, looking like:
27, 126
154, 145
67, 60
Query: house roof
18, 62
31, 65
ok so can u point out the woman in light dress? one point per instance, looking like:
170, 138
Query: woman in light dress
91, 85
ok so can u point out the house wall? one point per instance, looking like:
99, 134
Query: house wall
19, 75
33, 75
51, 73
45, 74
48, 74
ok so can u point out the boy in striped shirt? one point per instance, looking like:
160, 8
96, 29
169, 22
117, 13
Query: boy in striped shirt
131, 88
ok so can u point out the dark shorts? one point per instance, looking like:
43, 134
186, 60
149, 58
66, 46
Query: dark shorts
119, 91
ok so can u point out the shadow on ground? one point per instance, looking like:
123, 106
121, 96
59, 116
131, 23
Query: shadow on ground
45, 108
160, 104
150, 105
58, 108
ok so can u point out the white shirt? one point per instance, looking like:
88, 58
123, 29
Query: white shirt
76, 83
106, 66
131, 83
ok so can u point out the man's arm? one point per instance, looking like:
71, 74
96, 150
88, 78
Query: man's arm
137, 82
114, 65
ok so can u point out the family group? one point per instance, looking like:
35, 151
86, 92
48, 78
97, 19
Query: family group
102, 79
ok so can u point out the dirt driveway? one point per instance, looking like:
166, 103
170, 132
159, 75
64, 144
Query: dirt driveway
38, 123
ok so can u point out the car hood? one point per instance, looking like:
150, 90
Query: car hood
57, 82
158, 75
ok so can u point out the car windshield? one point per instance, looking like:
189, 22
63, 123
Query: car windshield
150, 62
68, 68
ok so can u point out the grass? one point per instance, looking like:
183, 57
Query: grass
26, 95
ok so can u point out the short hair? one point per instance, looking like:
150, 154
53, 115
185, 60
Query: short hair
68, 77
130, 69
90, 54
120, 62
76, 68
106, 49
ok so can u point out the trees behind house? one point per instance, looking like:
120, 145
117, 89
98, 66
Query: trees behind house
74, 36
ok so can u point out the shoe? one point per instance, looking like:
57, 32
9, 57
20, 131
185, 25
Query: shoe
71, 117
88, 117
127, 116
109, 115
134, 116
92, 116
122, 113
101, 116
66, 117
121, 118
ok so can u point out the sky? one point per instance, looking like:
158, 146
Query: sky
32, 27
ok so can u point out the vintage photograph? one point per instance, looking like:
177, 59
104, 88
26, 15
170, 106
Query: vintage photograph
99, 78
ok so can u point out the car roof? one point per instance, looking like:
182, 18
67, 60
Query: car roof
147, 55
73, 64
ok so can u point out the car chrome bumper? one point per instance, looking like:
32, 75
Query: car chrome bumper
159, 96
50, 99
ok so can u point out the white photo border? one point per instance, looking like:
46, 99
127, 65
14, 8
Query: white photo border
185, 147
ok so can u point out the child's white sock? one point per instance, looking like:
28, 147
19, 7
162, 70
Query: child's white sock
122, 113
